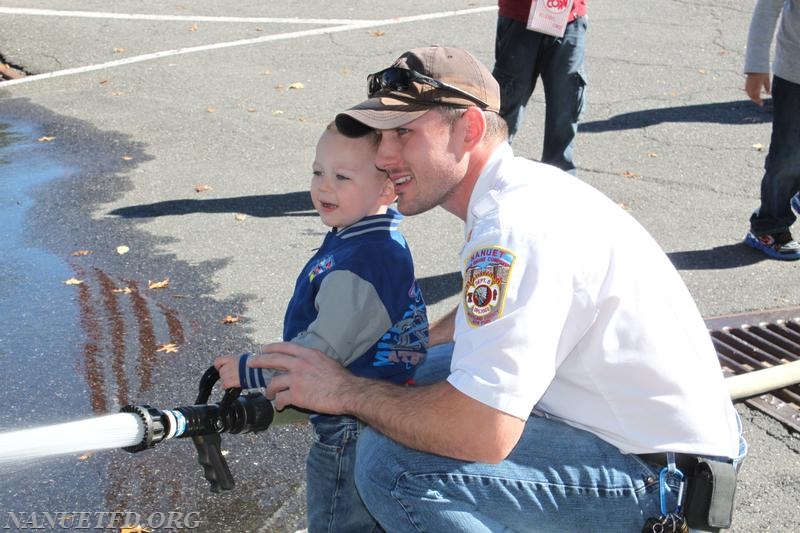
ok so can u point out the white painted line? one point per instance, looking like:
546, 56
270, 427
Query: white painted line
166, 18
243, 42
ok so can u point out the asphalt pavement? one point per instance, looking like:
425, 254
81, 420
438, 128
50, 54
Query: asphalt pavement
186, 132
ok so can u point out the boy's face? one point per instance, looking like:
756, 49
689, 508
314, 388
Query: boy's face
346, 186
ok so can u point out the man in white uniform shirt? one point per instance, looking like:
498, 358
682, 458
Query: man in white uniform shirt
583, 384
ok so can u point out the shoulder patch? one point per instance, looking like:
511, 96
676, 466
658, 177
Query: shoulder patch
485, 282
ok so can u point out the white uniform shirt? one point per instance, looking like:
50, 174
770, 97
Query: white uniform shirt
572, 308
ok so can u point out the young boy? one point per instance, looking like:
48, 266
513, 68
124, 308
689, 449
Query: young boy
769, 224
358, 301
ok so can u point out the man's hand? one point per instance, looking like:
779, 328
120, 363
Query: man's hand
309, 379
754, 83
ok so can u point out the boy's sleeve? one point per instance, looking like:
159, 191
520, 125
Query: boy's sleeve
351, 317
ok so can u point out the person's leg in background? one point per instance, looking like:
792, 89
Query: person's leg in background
516, 56
564, 81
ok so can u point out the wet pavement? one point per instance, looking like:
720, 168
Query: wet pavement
84, 350
185, 133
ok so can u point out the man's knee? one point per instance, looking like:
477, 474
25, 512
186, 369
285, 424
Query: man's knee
371, 468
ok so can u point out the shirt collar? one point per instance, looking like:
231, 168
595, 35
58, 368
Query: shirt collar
485, 183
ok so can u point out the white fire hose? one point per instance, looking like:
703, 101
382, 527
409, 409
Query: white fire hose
751, 384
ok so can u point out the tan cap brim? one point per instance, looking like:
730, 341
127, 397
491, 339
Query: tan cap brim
378, 114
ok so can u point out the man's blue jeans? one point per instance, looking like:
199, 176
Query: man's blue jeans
558, 479
781, 178
521, 57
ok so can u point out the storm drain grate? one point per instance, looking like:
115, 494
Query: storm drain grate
756, 341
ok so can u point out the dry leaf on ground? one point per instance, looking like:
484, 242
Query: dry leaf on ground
158, 284
168, 348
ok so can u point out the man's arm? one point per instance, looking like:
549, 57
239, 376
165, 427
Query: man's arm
434, 418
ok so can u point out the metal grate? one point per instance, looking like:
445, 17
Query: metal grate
755, 341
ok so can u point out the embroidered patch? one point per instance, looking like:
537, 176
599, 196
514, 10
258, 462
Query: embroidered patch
485, 282
326, 263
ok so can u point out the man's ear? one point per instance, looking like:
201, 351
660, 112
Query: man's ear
474, 125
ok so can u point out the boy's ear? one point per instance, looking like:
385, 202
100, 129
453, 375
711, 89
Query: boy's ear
387, 195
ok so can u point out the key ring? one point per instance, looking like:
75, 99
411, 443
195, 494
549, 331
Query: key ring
674, 471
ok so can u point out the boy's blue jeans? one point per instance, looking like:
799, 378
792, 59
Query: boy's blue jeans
521, 57
557, 479
781, 178
333, 504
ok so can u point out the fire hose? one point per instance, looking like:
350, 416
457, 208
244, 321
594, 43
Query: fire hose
204, 423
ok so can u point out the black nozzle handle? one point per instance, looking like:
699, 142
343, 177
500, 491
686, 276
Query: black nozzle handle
215, 468
209, 451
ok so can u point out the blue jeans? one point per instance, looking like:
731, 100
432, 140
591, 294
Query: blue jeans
521, 57
558, 478
332, 500
781, 178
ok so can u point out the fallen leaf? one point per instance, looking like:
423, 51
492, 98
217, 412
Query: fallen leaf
158, 284
168, 348
377, 33
702, 71
193, 27
628, 174
259, 29
624, 206
81, 253
124, 290
277, 112
73, 281
117, 93
251, 110
85, 456
122, 249
134, 529
118, 50
652, 154
103, 82
238, 217
297, 85
211, 109
759, 147
45, 139
229, 319
202, 188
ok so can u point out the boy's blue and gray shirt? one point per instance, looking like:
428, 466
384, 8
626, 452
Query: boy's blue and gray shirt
358, 300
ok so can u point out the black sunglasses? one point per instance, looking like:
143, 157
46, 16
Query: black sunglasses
400, 79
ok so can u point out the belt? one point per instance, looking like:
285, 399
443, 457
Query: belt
685, 462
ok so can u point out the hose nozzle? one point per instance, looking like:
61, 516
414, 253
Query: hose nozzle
204, 423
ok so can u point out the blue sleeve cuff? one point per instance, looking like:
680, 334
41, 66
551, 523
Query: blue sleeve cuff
250, 378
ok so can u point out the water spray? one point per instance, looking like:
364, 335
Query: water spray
204, 423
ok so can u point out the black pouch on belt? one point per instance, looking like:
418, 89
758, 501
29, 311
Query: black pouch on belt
710, 494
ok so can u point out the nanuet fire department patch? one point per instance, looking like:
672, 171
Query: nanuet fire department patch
485, 283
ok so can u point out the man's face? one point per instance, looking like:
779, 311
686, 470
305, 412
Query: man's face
420, 159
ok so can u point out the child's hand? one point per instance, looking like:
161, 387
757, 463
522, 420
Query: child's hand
754, 83
228, 368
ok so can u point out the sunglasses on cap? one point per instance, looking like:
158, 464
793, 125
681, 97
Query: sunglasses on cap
400, 79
